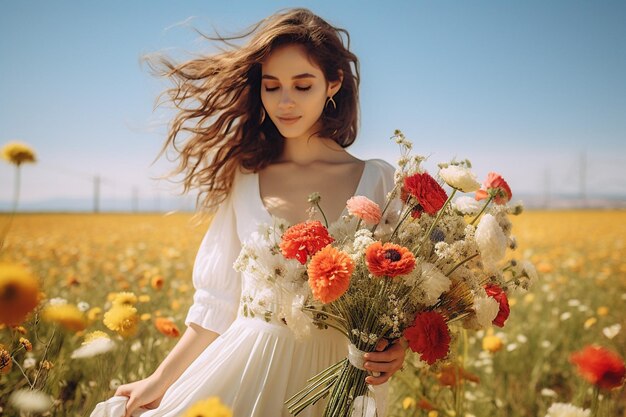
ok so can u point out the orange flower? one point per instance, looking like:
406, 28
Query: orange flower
304, 239
600, 366
157, 282
450, 375
495, 186
19, 293
6, 363
389, 259
329, 274
167, 327
364, 208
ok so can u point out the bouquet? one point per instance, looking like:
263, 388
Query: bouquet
414, 268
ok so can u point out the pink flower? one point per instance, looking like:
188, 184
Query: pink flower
495, 186
364, 208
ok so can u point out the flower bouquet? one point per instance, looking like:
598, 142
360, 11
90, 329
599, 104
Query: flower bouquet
413, 268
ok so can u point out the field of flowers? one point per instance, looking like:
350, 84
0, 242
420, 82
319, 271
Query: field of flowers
133, 272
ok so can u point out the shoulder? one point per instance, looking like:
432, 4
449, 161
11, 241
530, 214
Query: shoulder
383, 168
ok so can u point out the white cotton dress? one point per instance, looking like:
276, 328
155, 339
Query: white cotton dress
254, 366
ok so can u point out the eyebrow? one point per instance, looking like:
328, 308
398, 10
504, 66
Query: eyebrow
295, 77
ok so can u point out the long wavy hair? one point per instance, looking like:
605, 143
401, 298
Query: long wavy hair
218, 101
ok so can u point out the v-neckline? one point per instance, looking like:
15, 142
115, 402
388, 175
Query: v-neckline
357, 191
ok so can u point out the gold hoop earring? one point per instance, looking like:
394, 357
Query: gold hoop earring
262, 115
330, 100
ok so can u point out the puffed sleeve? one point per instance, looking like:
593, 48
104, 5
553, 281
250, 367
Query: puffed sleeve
217, 284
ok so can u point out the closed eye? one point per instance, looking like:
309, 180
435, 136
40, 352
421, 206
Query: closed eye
297, 88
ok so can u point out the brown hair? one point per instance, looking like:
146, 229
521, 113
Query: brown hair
218, 101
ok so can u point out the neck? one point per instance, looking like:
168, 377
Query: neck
304, 150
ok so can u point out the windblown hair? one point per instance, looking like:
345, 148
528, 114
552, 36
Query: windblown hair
218, 101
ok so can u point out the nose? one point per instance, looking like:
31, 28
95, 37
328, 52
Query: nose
285, 100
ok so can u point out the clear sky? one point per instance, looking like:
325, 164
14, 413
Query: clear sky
525, 88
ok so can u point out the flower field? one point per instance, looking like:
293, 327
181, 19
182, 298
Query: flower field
84, 262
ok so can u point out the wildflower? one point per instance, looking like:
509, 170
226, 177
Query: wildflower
96, 346
600, 366
304, 239
408, 402
30, 401
492, 343
94, 314
450, 375
566, 410
497, 294
26, 344
211, 407
47, 365
157, 282
19, 294
17, 153
466, 205
590, 322
460, 178
6, 362
29, 363
145, 316
166, 327
428, 193
143, 298
602, 311
612, 331
429, 336
329, 274
83, 306
495, 186
486, 309
67, 315
122, 319
124, 298
434, 283
97, 334
389, 259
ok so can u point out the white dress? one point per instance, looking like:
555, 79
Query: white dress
254, 365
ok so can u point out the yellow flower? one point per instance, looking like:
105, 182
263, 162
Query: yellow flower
433, 413
408, 402
18, 153
590, 322
602, 311
67, 315
144, 298
90, 337
5, 361
19, 293
94, 314
146, 316
122, 319
492, 343
26, 343
47, 365
124, 298
211, 407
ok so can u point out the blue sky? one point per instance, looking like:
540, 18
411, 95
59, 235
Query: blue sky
525, 88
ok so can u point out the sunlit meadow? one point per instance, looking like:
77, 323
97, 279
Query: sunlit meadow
519, 370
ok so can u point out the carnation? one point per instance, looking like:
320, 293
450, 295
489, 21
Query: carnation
491, 241
304, 239
460, 178
566, 410
329, 274
429, 336
364, 208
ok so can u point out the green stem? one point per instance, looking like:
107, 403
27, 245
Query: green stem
16, 197
461, 263
395, 230
595, 401
387, 203
432, 226
482, 211
323, 215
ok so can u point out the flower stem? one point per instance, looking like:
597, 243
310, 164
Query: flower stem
323, 215
16, 197
432, 226
461, 263
482, 211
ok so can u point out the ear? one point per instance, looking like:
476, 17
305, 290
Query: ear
334, 86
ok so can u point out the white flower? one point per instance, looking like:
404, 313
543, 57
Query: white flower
297, 320
486, 309
96, 347
566, 410
466, 205
491, 241
57, 301
460, 178
612, 331
547, 392
30, 401
434, 283
83, 306
29, 363
116, 382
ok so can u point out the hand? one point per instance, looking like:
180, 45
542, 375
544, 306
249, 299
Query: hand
387, 360
146, 393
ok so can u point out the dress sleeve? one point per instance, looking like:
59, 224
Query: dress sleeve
386, 185
217, 284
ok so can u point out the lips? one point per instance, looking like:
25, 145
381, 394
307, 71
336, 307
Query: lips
288, 120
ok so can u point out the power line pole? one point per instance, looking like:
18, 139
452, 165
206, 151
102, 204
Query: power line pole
135, 200
546, 185
583, 179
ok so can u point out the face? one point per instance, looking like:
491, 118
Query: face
294, 91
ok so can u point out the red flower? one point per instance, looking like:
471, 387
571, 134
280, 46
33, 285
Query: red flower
304, 239
500, 296
389, 259
429, 336
600, 366
495, 186
428, 193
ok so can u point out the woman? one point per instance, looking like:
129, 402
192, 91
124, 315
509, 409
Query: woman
269, 123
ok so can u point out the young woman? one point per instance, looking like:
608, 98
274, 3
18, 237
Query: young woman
268, 124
